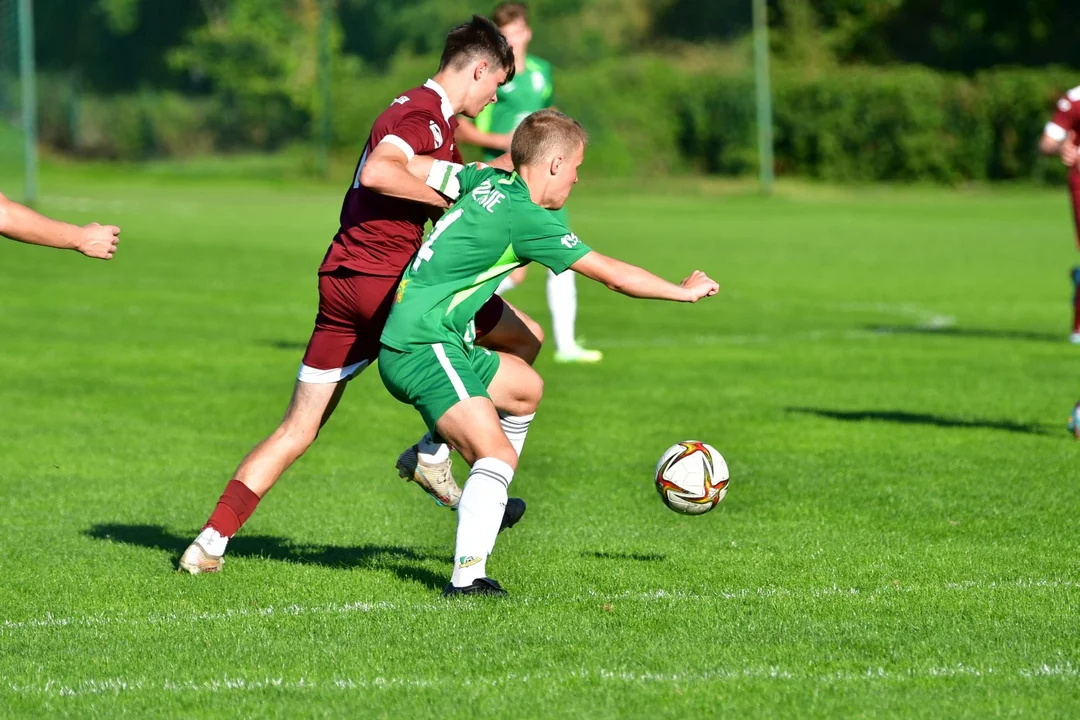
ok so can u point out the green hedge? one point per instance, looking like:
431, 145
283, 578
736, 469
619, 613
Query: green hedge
647, 115
153, 124
627, 107
868, 124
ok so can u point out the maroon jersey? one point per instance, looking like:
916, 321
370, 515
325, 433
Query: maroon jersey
379, 234
1067, 117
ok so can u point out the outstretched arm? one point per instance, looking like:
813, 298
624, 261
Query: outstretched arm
640, 283
19, 222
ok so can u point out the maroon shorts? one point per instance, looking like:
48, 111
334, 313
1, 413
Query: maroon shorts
353, 308
1074, 191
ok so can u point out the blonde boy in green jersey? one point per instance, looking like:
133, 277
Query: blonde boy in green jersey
478, 401
532, 89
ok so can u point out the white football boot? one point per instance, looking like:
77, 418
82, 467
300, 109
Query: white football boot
196, 560
436, 479
200, 557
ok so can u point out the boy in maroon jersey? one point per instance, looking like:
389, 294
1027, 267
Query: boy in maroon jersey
381, 227
1059, 138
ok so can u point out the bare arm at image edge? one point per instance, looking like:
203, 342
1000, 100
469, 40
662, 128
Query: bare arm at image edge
20, 223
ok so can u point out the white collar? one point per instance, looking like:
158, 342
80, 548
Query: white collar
447, 108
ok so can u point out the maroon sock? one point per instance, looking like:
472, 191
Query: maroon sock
233, 509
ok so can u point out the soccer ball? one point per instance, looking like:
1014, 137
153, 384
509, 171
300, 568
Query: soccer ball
691, 477
1074, 421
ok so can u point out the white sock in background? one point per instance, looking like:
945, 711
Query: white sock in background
506, 285
480, 514
431, 452
516, 428
562, 301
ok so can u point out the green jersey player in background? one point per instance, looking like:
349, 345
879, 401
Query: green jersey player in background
532, 89
479, 401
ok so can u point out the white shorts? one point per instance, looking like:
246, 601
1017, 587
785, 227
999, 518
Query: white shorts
315, 376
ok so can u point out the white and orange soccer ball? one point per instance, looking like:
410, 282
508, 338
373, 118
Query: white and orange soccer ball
691, 477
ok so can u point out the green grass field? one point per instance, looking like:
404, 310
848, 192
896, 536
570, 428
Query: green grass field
885, 371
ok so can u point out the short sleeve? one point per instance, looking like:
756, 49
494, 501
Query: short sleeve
416, 133
1066, 116
539, 236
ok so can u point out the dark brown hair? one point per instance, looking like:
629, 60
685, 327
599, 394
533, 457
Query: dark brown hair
477, 38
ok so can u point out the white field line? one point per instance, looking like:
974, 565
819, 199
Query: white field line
117, 686
839, 591
48, 622
711, 340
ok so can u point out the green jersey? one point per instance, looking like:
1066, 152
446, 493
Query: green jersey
493, 228
528, 92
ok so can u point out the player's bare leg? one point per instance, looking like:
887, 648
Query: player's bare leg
515, 333
427, 463
311, 406
473, 427
490, 440
516, 390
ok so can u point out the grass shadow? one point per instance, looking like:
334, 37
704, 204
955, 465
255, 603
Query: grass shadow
637, 557
909, 418
398, 559
977, 333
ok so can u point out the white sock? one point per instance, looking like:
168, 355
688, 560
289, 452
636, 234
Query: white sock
562, 301
506, 285
212, 541
431, 452
480, 513
516, 428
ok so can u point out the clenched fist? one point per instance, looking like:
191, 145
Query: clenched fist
99, 241
699, 285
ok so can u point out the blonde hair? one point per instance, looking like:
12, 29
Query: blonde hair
544, 134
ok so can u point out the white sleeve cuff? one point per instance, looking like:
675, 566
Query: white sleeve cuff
400, 145
444, 178
1055, 132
